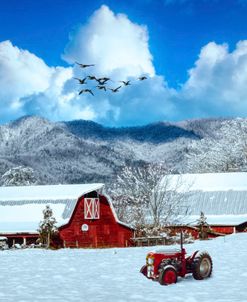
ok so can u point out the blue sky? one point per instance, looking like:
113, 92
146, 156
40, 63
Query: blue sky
194, 53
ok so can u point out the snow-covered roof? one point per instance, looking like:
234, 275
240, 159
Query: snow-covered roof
21, 208
47, 192
222, 197
218, 202
236, 181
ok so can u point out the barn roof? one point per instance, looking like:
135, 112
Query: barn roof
222, 197
21, 207
47, 192
208, 182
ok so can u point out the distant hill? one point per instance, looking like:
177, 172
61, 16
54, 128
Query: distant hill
84, 151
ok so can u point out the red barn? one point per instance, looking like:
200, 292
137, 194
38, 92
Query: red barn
95, 224
85, 216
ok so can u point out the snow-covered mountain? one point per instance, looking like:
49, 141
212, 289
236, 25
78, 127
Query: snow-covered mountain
83, 151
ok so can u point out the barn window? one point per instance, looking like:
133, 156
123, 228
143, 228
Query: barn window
91, 208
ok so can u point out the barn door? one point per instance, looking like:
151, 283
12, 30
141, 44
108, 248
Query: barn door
91, 208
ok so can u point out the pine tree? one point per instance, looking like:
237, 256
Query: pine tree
47, 227
203, 226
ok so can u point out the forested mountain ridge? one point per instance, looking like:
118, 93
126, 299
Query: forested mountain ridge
84, 151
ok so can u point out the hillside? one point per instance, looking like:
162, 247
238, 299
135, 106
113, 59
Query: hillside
84, 151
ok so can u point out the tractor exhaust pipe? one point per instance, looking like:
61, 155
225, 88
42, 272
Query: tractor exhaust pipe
181, 240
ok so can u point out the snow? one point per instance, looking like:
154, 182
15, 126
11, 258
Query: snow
21, 208
230, 202
112, 275
26, 218
222, 197
47, 192
210, 182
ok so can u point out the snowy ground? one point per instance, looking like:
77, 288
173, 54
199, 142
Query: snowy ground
112, 275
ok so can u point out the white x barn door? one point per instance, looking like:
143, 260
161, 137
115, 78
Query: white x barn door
91, 208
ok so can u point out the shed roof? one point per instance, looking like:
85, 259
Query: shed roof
222, 197
236, 181
21, 208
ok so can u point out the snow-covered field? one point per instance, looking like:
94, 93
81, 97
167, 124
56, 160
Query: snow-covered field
112, 275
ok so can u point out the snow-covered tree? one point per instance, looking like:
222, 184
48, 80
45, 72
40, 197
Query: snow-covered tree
203, 226
226, 151
142, 195
47, 227
19, 176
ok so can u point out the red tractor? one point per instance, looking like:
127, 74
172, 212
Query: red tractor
166, 266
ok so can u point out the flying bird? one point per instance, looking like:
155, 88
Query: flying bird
81, 81
101, 87
115, 89
126, 83
84, 65
102, 81
92, 78
86, 90
142, 78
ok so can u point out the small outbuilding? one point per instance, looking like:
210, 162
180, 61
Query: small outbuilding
85, 216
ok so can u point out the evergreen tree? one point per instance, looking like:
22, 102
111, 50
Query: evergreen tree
203, 226
47, 227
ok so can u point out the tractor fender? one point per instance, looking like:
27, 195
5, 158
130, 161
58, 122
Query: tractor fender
191, 258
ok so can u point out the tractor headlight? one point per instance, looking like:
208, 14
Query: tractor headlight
150, 261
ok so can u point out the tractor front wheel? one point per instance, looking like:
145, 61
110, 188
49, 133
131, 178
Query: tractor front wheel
144, 270
202, 266
168, 275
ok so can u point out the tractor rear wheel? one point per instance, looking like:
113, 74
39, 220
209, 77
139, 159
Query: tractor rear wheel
202, 266
168, 275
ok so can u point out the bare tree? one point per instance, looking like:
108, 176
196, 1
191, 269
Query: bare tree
147, 195
168, 202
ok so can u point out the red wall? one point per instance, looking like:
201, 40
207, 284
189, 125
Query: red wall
195, 233
223, 229
102, 232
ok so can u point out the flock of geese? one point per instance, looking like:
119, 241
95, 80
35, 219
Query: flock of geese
101, 82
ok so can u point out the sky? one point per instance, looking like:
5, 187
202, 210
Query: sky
193, 53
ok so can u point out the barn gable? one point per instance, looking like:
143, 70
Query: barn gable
100, 228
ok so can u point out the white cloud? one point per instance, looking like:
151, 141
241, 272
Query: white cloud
115, 44
25, 80
21, 74
29, 86
217, 83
